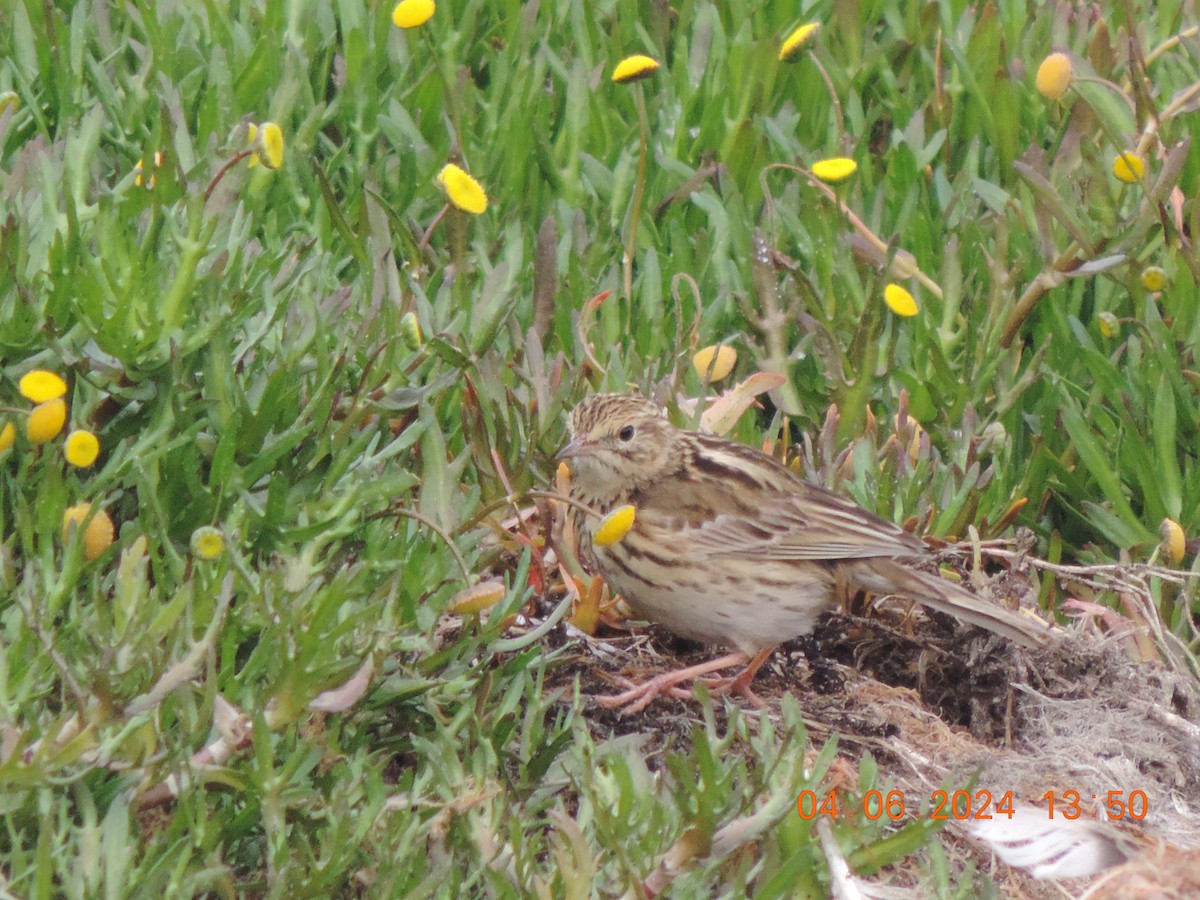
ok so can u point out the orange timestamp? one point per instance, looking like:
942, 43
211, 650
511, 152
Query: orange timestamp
962, 804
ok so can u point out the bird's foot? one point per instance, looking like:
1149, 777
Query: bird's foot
638, 696
740, 683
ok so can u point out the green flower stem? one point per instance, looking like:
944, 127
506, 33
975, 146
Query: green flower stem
773, 326
639, 189
193, 249
862, 359
835, 103
451, 107
911, 270
734, 131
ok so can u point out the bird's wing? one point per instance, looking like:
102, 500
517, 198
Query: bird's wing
809, 524
801, 522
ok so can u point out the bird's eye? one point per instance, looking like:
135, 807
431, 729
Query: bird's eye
626, 434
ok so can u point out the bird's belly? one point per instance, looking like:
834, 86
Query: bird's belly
748, 604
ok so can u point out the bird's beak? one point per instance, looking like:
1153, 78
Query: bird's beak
575, 448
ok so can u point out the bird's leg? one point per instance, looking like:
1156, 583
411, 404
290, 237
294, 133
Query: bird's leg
638, 696
841, 590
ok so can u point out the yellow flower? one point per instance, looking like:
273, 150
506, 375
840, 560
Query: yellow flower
39, 386
1172, 543
46, 421
99, 534
477, 598
614, 526
464, 191
207, 542
634, 68
411, 13
1153, 278
410, 330
153, 179
81, 448
720, 358
267, 142
1110, 325
1054, 76
1128, 167
900, 301
8, 434
797, 42
831, 171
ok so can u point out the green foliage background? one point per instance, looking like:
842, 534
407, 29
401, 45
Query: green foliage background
233, 338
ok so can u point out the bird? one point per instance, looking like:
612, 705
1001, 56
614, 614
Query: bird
730, 547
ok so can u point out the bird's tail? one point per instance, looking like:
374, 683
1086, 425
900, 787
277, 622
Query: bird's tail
886, 576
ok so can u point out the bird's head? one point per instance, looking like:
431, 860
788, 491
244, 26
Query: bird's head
619, 442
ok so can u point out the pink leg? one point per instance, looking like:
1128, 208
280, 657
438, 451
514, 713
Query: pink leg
638, 696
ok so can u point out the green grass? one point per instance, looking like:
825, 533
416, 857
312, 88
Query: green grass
233, 338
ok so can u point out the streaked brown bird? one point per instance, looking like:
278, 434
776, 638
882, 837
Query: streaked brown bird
730, 547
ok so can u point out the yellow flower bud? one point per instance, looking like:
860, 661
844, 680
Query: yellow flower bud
900, 301
634, 68
614, 526
831, 171
411, 13
714, 362
410, 330
267, 141
1153, 278
39, 386
1172, 541
1128, 167
463, 191
46, 421
8, 434
797, 42
1110, 325
99, 534
81, 448
1054, 76
207, 542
